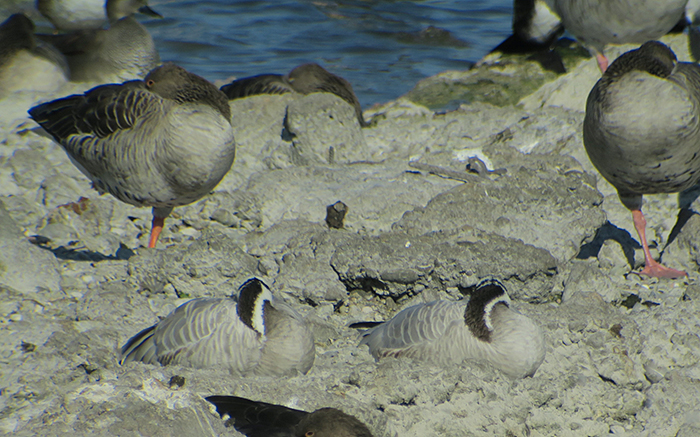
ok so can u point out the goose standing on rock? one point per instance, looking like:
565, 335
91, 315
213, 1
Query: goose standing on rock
123, 51
304, 79
597, 23
483, 328
260, 419
162, 142
258, 335
642, 131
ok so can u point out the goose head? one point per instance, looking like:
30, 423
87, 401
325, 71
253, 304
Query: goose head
253, 296
477, 315
118, 9
173, 82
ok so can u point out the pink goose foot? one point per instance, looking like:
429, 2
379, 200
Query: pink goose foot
651, 267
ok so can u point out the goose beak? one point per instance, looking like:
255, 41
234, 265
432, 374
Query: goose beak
145, 10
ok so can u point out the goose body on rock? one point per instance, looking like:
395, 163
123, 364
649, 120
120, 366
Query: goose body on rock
162, 142
256, 335
484, 328
304, 79
642, 131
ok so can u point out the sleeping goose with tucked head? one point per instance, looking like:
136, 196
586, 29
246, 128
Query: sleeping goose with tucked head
162, 142
304, 79
27, 63
123, 51
642, 131
71, 15
256, 335
484, 328
260, 419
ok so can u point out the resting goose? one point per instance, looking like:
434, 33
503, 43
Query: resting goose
162, 142
304, 79
123, 51
483, 328
256, 335
260, 419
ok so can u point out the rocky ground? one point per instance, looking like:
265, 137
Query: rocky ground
622, 351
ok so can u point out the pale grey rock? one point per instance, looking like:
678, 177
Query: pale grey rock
399, 264
512, 205
213, 265
363, 187
23, 266
324, 129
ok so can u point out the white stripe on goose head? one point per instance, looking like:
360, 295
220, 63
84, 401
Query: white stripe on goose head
251, 304
256, 335
477, 315
483, 328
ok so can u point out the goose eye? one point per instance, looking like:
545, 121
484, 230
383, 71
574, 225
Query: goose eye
150, 83
309, 434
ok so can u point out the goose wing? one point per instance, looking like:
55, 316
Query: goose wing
201, 333
261, 84
413, 329
258, 419
100, 112
289, 345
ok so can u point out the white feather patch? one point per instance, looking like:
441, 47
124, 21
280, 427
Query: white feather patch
258, 319
489, 307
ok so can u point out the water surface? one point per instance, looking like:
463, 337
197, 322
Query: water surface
376, 45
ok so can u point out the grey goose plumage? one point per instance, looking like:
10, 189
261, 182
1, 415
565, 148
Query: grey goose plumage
72, 15
642, 131
162, 142
483, 328
304, 79
122, 51
27, 63
597, 23
260, 419
256, 335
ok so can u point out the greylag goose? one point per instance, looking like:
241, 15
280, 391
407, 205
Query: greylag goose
71, 15
304, 79
162, 142
597, 23
260, 419
25, 62
642, 131
123, 51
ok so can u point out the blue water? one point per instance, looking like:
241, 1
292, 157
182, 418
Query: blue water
373, 44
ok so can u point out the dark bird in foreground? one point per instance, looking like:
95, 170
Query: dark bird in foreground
304, 79
256, 335
260, 419
483, 328
642, 131
162, 142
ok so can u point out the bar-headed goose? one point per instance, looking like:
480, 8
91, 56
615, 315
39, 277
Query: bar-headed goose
256, 335
483, 328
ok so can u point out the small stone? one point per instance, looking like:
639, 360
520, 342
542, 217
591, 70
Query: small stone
335, 214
